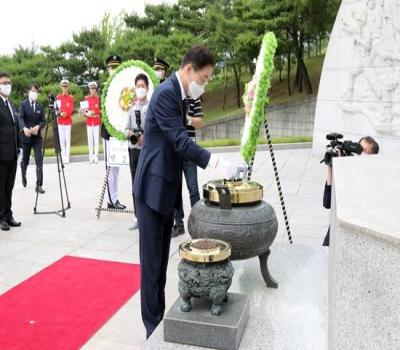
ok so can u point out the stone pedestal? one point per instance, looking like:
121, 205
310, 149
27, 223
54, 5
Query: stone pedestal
364, 280
293, 317
199, 327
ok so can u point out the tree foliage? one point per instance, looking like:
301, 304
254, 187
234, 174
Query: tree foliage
233, 29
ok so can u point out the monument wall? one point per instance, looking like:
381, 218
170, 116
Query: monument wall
364, 254
359, 91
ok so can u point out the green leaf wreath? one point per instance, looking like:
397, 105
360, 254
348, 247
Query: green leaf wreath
255, 97
104, 110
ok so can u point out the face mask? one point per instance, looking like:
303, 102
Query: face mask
33, 95
5, 89
141, 92
160, 74
196, 90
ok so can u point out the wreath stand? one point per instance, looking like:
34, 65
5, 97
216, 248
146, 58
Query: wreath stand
100, 207
119, 81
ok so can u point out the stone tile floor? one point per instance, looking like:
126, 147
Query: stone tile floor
43, 239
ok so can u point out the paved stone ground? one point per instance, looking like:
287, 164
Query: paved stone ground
43, 239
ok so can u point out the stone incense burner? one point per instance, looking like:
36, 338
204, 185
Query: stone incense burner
233, 211
205, 271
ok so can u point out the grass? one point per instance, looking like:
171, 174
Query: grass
221, 113
236, 142
83, 150
213, 98
78, 132
75, 150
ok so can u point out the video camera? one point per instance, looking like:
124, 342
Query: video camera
138, 131
336, 147
53, 105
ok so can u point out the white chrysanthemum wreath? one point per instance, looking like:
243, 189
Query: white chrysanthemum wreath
255, 97
119, 94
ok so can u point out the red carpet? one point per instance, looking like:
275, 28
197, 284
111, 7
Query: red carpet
63, 305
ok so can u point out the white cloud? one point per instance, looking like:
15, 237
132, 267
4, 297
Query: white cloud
52, 22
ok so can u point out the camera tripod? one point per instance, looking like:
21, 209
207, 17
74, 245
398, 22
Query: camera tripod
52, 117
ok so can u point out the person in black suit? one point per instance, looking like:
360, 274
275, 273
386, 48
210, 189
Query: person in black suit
31, 122
10, 145
158, 179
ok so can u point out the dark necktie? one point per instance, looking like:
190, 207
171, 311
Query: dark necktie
33, 107
9, 111
184, 109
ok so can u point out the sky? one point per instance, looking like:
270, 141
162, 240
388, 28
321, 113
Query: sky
46, 22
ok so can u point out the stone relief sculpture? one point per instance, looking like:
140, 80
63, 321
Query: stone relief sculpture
373, 85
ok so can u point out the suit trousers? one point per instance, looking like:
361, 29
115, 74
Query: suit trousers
154, 242
190, 171
26, 152
8, 169
64, 132
134, 154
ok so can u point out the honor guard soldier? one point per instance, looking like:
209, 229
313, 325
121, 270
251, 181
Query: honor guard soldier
93, 121
112, 63
161, 67
31, 122
65, 104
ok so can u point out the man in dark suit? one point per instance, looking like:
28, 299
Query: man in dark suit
10, 144
157, 184
31, 122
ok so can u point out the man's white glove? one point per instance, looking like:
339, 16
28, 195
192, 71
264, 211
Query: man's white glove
225, 167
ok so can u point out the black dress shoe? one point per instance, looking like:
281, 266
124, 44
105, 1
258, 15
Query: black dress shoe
11, 222
111, 206
4, 226
119, 205
177, 230
40, 189
24, 182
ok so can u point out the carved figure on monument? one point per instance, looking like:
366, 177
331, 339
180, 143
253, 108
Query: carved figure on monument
375, 76
355, 25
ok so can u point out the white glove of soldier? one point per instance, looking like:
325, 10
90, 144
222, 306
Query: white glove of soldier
225, 167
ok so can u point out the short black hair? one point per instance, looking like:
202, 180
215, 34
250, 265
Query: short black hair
199, 57
4, 74
370, 140
143, 77
33, 85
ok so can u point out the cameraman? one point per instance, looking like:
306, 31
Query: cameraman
134, 128
370, 146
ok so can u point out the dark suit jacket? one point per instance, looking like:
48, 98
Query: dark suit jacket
10, 140
28, 118
166, 142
